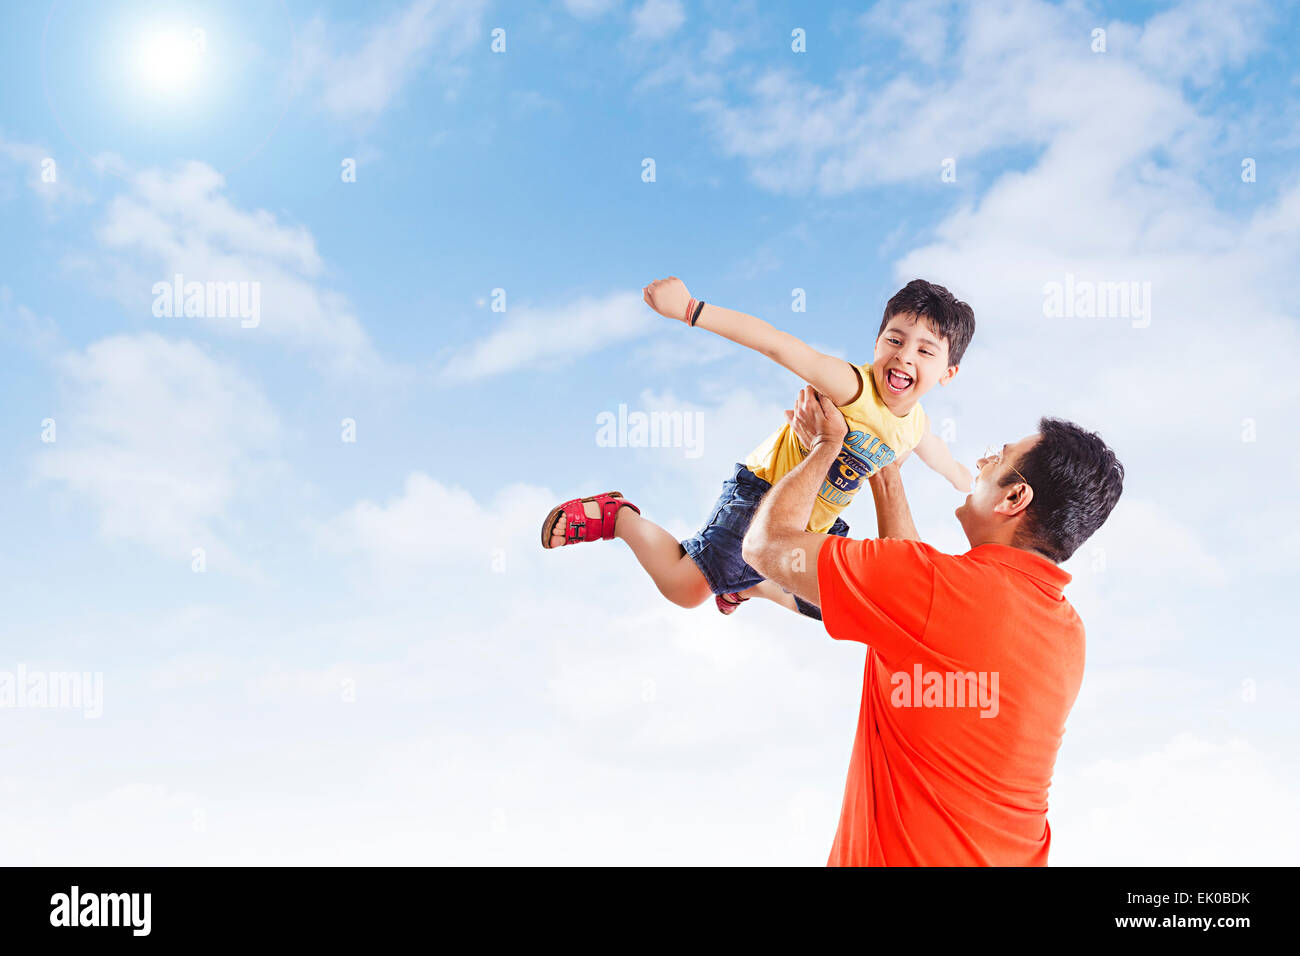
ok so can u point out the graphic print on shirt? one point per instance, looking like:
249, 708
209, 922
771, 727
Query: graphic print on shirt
861, 456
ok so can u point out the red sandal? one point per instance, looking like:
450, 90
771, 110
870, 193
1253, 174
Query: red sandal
578, 527
727, 603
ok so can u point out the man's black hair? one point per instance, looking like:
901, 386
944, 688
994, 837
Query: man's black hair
1076, 480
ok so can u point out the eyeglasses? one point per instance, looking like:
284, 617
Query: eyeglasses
995, 456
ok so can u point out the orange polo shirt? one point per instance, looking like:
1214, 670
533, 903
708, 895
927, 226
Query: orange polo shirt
973, 663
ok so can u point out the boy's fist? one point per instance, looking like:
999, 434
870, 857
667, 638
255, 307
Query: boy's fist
668, 297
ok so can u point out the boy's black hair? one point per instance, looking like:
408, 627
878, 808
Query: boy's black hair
948, 316
1076, 480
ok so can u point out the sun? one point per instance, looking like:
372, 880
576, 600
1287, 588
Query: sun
167, 62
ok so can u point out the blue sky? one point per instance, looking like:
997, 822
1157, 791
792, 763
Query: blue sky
379, 663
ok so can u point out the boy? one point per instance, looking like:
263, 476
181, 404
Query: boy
923, 336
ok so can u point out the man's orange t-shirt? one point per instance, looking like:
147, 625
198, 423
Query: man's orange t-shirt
950, 638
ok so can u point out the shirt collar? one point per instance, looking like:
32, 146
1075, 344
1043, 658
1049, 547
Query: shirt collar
1034, 565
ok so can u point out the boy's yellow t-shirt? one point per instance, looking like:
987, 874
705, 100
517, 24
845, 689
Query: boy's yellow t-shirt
876, 437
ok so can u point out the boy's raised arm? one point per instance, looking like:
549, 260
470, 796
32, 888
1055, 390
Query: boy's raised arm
934, 452
833, 377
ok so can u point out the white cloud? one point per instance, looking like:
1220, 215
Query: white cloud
44, 175
414, 530
555, 336
920, 26
159, 438
1196, 801
726, 422
20, 324
26, 154
798, 135
408, 533
1135, 524
189, 199
656, 19
112, 823
180, 222
667, 353
720, 45
1196, 40
365, 80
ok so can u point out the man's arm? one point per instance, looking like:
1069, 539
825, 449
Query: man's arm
893, 516
777, 544
831, 376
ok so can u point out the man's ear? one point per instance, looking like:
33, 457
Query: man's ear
946, 377
1016, 500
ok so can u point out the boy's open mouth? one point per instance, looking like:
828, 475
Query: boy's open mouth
897, 381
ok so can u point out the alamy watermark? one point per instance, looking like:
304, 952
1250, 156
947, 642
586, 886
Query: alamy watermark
921, 688
64, 690
1086, 299
638, 429
209, 300
78, 908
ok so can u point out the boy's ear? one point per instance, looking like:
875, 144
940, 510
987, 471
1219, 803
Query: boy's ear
947, 376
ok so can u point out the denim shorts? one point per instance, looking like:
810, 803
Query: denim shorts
715, 549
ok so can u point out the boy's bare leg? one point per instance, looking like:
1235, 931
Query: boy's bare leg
678, 578
773, 592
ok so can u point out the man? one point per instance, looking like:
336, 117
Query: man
974, 660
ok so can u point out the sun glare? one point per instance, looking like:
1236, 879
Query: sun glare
167, 62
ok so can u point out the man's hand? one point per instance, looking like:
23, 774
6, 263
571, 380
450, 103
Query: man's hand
778, 544
815, 419
668, 297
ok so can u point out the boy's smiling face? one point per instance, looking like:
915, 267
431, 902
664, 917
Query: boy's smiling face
911, 358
